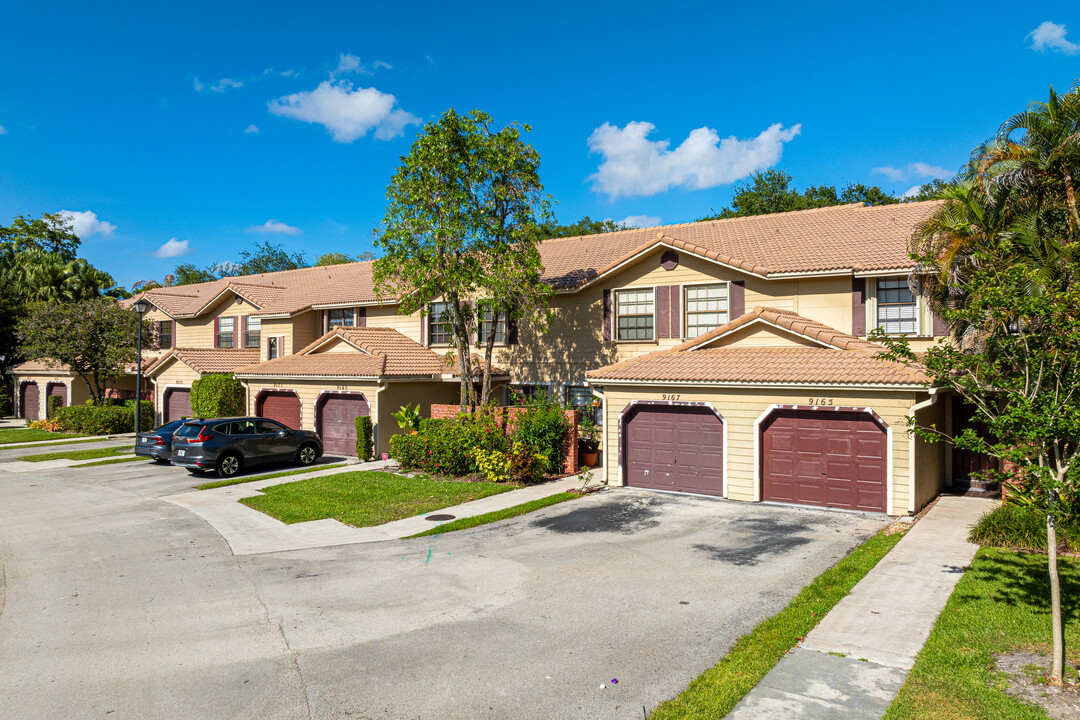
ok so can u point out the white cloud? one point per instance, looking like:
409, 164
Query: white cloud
634, 165
912, 191
1051, 36
640, 221
889, 172
3, 130
85, 223
348, 114
351, 64
225, 83
251, 130
275, 226
921, 169
172, 248
199, 86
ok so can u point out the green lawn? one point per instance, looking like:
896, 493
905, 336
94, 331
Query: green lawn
26, 435
477, 520
80, 454
253, 478
1001, 604
114, 461
716, 691
63, 443
366, 498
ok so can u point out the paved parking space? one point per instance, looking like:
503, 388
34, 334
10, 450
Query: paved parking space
117, 600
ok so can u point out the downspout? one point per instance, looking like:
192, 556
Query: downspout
375, 425
911, 445
603, 428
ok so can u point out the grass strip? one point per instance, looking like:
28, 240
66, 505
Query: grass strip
477, 520
717, 690
111, 462
79, 454
1000, 605
253, 478
38, 446
25, 435
366, 498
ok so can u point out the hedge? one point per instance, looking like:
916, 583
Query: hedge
218, 395
365, 443
105, 419
445, 447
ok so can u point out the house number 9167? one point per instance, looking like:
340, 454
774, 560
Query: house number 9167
822, 401
670, 396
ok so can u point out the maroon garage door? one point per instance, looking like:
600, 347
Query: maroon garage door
674, 448
59, 390
28, 401
827, 458
177, 404
280, 405
337, 422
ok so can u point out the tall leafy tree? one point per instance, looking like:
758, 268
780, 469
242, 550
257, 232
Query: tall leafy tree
773, 191
460, 227
585, 226
96, 338
188, 274
337, 258
267, 258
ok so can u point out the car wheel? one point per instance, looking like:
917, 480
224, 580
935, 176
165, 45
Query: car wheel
307, 454
228, 465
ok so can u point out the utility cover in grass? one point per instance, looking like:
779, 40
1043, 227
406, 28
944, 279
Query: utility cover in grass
363, 499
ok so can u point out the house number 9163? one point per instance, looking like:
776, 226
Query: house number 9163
822, 401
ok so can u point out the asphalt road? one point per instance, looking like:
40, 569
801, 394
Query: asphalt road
116, 604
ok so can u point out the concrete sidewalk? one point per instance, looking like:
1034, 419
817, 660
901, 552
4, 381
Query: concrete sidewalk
250, 532
853, 663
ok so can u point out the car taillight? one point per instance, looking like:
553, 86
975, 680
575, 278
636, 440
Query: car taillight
160, 441
202, 437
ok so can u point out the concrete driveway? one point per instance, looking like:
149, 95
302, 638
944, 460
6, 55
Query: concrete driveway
117, 604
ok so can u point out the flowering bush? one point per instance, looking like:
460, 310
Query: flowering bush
50, 425
494, 464
526, 465
543, 426
449, 447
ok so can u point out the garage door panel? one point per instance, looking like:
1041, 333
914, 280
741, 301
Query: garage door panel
177, 404
283, 406
337, 422
838, 461
30, 403
674, 448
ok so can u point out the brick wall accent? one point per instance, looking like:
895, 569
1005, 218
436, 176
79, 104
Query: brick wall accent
505, 417
127, 394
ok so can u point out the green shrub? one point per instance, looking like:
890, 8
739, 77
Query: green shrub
365, 443
53, 404
1023, 528
542, 426
447, 447
218, 395
493, 464
526, 465
105, 419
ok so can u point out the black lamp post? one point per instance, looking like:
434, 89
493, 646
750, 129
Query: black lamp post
141, 306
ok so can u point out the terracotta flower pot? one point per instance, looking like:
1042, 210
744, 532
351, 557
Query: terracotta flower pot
587, 459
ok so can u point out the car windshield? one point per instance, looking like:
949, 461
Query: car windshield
189, 430
169, 426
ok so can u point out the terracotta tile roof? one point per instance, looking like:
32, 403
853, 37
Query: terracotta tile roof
277, 293
846, 237
852, 238
382, 352
848, 360
202, 361
150, 358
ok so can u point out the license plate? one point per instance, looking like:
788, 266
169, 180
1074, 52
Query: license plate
147, 441
181, 453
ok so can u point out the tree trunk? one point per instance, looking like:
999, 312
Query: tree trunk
489, 347
1070, 194
1057, 666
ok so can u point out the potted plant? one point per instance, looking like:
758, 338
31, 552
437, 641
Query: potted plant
588, 441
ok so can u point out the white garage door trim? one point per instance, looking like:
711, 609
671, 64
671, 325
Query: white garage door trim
621, 420
827, 408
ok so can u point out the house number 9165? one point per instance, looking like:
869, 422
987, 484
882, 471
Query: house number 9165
822, 401
670, 396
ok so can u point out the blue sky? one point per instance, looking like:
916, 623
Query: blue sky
186, 132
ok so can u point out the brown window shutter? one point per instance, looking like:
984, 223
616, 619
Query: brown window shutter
607, 314
424, 330
663, 312
858, 306
675, 293
216, 344
737, 301
940, 326
172, 335
325, 321
361, 317
511, 331
239, 333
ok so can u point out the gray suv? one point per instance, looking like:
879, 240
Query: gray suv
229, 444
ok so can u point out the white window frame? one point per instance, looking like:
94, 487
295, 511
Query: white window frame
232, 332
348, 312
504, 319
872, 307
280, 346
247, 330
685, 333
431, 323
615, 312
